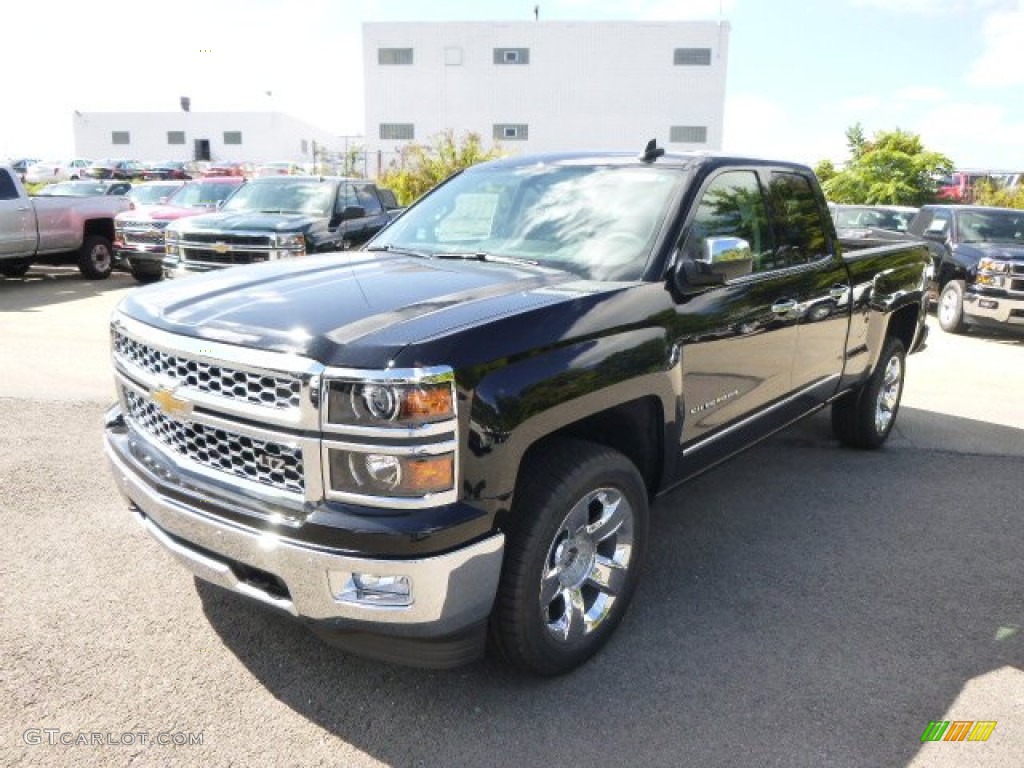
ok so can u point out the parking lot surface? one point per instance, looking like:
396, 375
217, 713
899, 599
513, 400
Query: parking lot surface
802, 605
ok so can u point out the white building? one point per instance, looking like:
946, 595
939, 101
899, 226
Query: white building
540, 86
219, 136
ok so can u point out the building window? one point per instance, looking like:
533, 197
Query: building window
397, 131
232, 137
453, 57
511, 55
175, 137
688, 134
394, 56
692, 57
120, 137
511, 131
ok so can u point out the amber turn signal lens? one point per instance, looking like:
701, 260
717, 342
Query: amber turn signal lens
429, 475
428, 403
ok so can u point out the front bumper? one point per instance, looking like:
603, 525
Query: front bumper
451, 592
993, 310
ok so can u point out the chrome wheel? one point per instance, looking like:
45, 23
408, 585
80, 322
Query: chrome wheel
888, 394
100, 257
587, 565
948, 307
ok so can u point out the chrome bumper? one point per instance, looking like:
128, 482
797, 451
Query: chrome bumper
980, 307
449, 592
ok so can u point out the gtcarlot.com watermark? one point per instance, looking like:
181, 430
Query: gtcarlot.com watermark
53, 737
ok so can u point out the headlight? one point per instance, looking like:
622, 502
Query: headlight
290, 242
987, 264
171, 239
390, 474
385, 404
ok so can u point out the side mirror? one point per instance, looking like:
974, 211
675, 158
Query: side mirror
935, 236
350, 212
723, 258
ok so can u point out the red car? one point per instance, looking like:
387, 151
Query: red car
139, 234
229, 169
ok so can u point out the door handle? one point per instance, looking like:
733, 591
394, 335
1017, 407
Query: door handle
838, 291
26, 208
784, 307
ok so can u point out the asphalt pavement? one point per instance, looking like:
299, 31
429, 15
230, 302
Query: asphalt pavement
802, 605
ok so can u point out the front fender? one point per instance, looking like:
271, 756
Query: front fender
516, 405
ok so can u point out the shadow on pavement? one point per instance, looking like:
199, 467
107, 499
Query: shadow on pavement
802, 605
47, 285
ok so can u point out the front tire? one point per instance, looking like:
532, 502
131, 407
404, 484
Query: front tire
951, 307
96, 258
864, 418
573, 555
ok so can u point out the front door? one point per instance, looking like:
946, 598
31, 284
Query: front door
17, 227
738, 340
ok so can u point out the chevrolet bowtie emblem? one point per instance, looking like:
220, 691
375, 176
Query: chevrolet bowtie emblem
171, 404
219, 247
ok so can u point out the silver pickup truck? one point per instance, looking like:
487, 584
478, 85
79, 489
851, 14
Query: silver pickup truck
55, 229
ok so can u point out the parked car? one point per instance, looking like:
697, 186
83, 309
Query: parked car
229, 169
153, 192
278, 217
21, 166
978, 257
85, 189
959, 186
171, 169
283, 168
865, 226
55, 229
139, 234
114, 169
458, 430
50, 171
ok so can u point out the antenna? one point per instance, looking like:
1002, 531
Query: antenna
652, 151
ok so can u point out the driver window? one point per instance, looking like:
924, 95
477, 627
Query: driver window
732, 205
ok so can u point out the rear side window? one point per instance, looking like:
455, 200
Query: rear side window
368, 200
7, 189
799, 227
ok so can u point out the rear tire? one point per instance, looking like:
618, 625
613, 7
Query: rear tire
951, 307
96, 257
15, 267
146, 276
864, 418
572, 556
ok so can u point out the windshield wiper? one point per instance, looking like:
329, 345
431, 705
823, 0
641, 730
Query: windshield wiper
401, 251
488, 257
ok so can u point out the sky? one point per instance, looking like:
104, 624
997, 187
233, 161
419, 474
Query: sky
800, 72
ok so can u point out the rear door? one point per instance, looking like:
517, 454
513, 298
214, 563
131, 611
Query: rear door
17, 221
821, 288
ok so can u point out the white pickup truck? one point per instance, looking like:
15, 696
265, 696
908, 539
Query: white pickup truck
55, 229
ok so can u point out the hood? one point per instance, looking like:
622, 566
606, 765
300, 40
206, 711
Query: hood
356, 308
1001, 251
247, 221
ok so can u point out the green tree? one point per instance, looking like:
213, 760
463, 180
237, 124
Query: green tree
423, 166
824, 170
987, 192
892, 168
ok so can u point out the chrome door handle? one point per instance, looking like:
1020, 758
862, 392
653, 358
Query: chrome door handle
784, 307
26, 208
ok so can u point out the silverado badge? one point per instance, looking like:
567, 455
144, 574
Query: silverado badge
171, 404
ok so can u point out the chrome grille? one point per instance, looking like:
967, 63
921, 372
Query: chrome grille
263, 389
230, 257
261, 461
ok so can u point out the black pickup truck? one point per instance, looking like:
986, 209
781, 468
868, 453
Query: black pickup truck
459, 428
978, 256
279, 217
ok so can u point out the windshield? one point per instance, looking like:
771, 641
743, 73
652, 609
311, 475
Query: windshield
1004, 227
876, 218
201, 194
284, 196
595, 221
148, 194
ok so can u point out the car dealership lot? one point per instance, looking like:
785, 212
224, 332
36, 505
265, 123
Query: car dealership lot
801, 605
